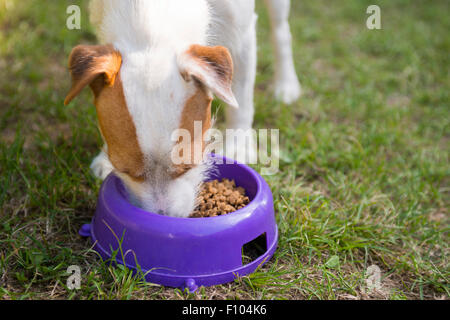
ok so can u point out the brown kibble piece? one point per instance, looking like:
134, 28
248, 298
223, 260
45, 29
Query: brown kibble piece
218, 198
241, 191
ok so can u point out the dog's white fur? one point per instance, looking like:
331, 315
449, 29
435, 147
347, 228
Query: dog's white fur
152, 36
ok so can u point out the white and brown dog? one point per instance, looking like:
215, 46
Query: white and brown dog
156, 71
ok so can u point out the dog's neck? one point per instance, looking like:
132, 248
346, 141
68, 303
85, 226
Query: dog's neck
144, 24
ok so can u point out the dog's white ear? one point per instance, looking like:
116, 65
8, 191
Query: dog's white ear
212, 67
87, 63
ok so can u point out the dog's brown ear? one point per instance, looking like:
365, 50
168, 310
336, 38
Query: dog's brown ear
211, 66
87, 63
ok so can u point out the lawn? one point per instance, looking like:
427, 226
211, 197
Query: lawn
364, 176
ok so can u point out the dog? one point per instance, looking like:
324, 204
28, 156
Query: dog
156, 70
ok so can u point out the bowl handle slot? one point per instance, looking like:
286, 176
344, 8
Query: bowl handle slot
253, 249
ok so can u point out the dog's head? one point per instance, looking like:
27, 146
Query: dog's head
141, 98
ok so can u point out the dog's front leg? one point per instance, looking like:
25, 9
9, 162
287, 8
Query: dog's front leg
287, 87
101, 166
241, 143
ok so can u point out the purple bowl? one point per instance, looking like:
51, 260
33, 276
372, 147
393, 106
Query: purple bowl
187, 252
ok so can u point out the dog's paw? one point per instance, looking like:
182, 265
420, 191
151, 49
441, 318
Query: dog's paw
288, 91
101, 166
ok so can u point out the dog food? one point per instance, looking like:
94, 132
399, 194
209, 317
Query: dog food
218, 198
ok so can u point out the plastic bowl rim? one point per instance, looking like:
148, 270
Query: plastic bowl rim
141, 212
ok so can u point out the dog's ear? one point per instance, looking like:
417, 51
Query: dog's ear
88, 63
212, 67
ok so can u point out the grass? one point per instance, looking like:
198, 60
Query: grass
364, 174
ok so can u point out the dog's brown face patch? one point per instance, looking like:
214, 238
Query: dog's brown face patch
197, 108
99, 66
213, 73
119, 131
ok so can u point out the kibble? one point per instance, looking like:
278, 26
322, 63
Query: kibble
218, 198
